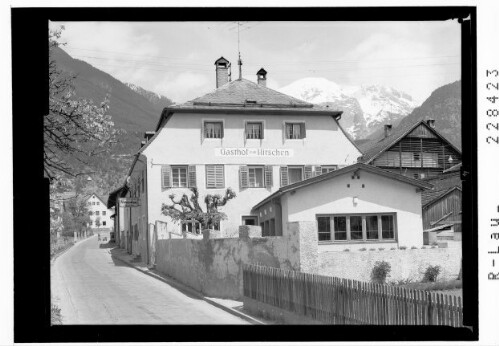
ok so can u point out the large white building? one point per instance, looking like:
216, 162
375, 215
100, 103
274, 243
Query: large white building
242, 135
100, 215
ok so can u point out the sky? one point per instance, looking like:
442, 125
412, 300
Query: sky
176, 59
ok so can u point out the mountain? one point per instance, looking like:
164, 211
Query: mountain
364, 107
444, 106
133, 109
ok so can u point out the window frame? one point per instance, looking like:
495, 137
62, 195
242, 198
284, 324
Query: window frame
328, 168
254, 122
249, 217
186, 167
303, 130
213, 121
262, 169
195, 225
364, 239
302, 174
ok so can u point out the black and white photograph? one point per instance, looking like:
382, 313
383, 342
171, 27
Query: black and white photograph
253, 174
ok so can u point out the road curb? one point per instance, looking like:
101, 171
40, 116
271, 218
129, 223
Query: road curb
191, 291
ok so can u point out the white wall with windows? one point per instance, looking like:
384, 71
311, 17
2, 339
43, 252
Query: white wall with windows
186, 152
370, 211
100, 216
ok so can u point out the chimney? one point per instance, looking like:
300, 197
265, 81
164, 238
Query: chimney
388, 130
431, 123
261, 77
222, 66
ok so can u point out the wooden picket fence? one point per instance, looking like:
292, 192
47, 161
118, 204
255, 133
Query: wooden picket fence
342, 301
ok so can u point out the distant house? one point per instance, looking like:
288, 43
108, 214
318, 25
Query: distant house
415, 150
359, 206
442, 206
100, 215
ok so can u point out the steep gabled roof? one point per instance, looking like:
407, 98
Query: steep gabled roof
333, 174
373, 149
442, 185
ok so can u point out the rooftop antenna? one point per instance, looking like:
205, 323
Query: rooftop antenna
239, 61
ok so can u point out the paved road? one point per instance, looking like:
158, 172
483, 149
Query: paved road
90, 288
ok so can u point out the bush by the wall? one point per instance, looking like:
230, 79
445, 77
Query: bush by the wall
431, 273
380, 272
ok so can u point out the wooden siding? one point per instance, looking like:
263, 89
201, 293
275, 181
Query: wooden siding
451, 203
424, 152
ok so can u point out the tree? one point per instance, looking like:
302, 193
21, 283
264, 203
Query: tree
97, 222
74, 129
188, 208
76, 217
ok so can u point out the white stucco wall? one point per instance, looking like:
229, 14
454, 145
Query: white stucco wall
180, 143
101, 207
380, 195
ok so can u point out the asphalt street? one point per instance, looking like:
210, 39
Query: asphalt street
91, 288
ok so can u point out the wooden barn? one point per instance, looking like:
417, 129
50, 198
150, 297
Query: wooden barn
415, 150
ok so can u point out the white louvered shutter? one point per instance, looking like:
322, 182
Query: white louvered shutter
308, 172
191, 172
166, 176
268, 176
284, 176
243, 177
303, 130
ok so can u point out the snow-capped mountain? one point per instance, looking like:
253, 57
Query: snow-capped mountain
364, 107
153, 97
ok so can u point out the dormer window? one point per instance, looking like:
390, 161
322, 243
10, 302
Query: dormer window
213, 129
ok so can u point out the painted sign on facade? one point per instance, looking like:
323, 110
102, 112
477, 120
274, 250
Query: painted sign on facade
129, 202
253, 152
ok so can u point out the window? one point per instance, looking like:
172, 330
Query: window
357, 228
89, 203
179, 176
340, 228
372, 227
104, 212
90, 213
193, 227
387, 223
97, 203
93, 203
255, 176
272, 227
324, 224
254, 130
295, 174
216, 226
327, 169
295, 130
97, 212
416, 156
267, 229
215, 177
103, 223
250, 220
213, 129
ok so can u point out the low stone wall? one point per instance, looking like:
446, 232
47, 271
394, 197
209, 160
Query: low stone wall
213, 266
405, 264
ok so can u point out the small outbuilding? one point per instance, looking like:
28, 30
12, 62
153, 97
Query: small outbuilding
355, 207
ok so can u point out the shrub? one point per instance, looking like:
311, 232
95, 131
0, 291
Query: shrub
403, 247
380, 272
431, 273
381, 248
372, 249
363, 249
346, 250
400, 282
423, 247
413, 247
393, 248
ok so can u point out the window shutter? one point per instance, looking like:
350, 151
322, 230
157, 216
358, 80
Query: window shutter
262, 130
222, 131
303, 131
243, 176
166, 172
191, 171
318, 170
219, 174
268, 176
308, 172
284, 176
